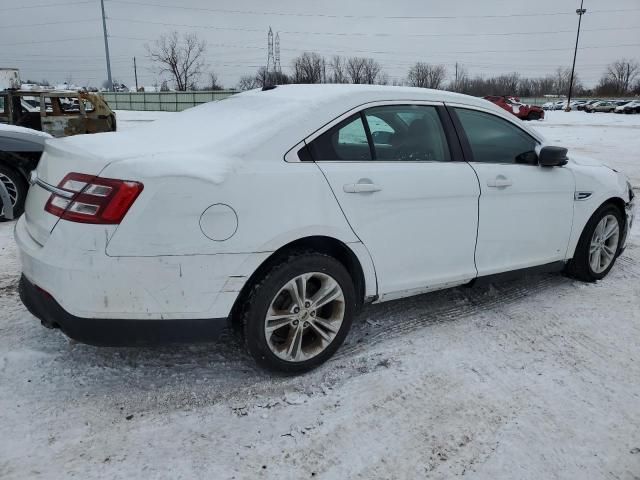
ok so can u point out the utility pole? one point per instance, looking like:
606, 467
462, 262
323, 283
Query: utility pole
135, 72
456, 83
106, 49
581, 11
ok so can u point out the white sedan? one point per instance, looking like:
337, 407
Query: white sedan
283, 210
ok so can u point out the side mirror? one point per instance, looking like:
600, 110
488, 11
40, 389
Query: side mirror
553, 157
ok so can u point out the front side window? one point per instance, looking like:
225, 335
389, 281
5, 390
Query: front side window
407, 133
396, 133
495, 140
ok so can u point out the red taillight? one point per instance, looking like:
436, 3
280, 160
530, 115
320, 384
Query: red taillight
95, 199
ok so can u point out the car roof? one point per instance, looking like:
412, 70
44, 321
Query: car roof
263, 123
360, 94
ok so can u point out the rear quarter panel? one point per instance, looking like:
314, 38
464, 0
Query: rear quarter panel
275, 202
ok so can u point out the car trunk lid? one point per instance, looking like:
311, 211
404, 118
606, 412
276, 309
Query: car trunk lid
58, 159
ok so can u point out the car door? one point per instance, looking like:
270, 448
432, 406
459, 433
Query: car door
526, 211
395, 172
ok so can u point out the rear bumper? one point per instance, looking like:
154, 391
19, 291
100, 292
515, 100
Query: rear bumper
116, 332
73, 267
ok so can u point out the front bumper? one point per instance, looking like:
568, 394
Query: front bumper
630, 211
116, 332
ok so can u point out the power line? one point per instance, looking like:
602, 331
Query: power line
363, 34
39, 42
322, 15
46, 5
395, 52
46, 24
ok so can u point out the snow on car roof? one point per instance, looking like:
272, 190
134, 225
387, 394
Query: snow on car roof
256, 124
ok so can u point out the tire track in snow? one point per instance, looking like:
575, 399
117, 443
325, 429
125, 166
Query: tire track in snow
379, 322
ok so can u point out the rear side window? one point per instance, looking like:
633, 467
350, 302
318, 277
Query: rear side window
345, 141
495, 140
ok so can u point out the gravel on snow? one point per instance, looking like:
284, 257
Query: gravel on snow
531, 379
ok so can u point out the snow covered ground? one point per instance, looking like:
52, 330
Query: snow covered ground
531, 379
610, 137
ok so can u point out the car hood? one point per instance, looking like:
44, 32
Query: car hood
583, 161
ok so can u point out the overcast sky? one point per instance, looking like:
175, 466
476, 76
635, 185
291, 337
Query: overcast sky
60, 39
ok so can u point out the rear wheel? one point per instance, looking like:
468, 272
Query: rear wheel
598, 246
299, 313
16, 186
533, 116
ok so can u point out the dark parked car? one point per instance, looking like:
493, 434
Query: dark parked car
20, 151
584, 105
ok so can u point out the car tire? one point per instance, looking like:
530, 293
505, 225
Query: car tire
318, 341
17, 188
533, 116
581, 265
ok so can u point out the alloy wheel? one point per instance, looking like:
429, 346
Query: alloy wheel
604, 244
304, 317
12, 189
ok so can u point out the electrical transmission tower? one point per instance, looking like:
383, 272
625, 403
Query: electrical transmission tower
271, 65
278, 68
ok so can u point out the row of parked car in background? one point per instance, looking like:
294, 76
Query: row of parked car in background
597, 105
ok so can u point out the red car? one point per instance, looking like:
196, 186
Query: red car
520, 110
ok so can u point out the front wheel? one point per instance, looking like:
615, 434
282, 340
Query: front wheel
598, 246
533, 116
298, 315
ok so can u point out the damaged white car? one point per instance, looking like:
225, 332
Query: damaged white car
283, 210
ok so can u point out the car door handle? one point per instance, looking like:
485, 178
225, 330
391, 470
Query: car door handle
361, 187
499, 182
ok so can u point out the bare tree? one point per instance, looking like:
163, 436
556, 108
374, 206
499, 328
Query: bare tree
383, 79
562, 78
460, 81
507, 84
263, 77
355, 69
371, 71
622, 73
337, 65
543, 86
213, 83
248, 82
182, 58
309, 68
426, 76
